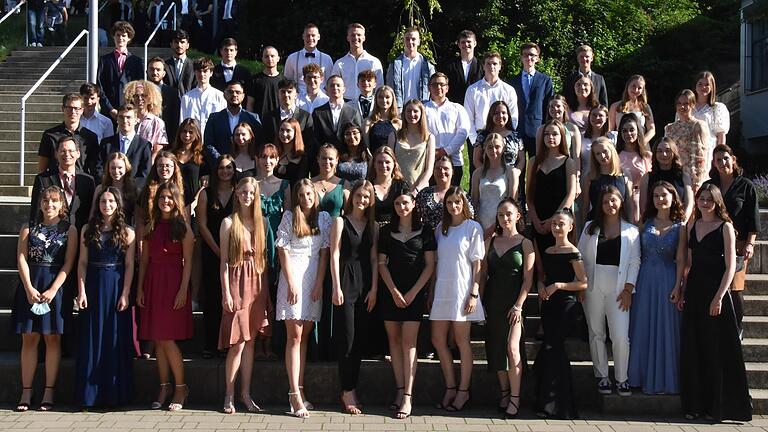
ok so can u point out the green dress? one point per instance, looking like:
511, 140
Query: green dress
333, 201
502, 288
272, 212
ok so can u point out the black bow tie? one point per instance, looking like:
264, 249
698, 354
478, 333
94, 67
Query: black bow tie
229, 68
309, 54
365, 105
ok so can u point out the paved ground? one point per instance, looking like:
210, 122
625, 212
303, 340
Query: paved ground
426, 419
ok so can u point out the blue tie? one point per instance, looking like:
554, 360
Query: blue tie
527, 84
124, 143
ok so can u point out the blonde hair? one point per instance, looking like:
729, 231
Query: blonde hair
152, 96
402, 134
304, 226
237, 233
642, 100
594, 167
377, 113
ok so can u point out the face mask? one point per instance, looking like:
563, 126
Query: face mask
40, 308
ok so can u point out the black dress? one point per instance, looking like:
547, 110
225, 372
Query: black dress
559, 315
405, 264
350, 320
713, 379
211, 273
675, 178
190, 176
383, 208
378, 134
551, 190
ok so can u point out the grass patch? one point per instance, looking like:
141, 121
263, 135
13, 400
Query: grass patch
12, 34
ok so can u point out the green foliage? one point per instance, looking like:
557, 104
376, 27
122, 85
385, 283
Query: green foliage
414, 17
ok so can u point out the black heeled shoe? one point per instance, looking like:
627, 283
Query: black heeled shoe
440, 405
394, 405
402, 415
453, 408
504, 394
508, 415
47, 405
24, 406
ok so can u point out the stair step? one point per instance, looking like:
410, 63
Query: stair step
12, 216
755, 327
13, 179
37, 97
8, 106
756, 284
15, 191
13, 155
51, 117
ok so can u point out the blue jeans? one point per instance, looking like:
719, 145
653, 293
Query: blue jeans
35, 23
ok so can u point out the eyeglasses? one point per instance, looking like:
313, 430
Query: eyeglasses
72, 108
439, 84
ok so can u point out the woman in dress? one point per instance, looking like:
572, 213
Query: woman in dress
245, 297
692, 138
667, 167
557, 109
387, 183
384, 119
187, 146
561, 278
713, 382
148, 100
456, 294
162, 291
635, 159
406, 261
654, 325
596, 127
244, 147
604, 171
166, 169
414, 146
104, 280
740, 198
498, 122
353, 165
715, 114
213, 205
505, 280
430, 199
293, 164
354, 277
551, 183
302, 245
634, 100
610, 246
118, 175
493, 182
46, 254
587, 101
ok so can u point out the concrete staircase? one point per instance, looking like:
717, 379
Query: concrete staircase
17, 75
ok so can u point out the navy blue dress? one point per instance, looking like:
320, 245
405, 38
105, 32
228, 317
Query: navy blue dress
105, 352
47, 249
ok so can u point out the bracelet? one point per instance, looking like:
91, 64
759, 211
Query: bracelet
474, 296
517, 308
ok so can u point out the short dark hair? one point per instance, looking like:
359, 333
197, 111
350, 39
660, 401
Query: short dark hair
88, 89
437, 75
311, 26
236, 82
123, 27
202, 63
366, 75
69, 97
228, 42
466, 34
287, 83
66, 138
156, 59
490, 55
311, 68
126, 107
529, 45
269, 47
180, 35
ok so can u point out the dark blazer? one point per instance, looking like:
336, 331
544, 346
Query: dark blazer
457, 84
171, 110
112, 82
218, 136
187, 81
139, 155
239, 74
271, 123
79, 208
322, 120
532, 111
598, 86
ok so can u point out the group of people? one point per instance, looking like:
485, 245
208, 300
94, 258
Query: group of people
326, 219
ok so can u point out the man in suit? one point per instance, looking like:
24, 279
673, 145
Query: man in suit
78, 186
228, 70
286, 94
366, 83
584, 57
171, 101
88, 142
128, 142
464, 70
327, 120
408, 74
534, 90
218, 130
180, 73
117, 69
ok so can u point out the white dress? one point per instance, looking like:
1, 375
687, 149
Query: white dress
453, 281
717, 118
304, 254
491, 192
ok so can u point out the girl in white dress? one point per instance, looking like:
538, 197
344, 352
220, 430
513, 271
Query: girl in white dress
302, 244
456, 295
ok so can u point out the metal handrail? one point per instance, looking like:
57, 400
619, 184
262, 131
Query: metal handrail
103, 5
151, 36
10, 12
32, 90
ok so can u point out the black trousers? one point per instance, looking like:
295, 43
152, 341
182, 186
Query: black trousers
350, 327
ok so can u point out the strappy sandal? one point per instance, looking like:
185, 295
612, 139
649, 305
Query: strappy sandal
307, 404
301, 412
156, 405
177, 406
47, 405
24, 406
402, 415
440, 405
249, 404
507, 414
453, 408
229, 404
505, 394
394, 405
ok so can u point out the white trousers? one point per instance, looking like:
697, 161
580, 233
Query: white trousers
600, 304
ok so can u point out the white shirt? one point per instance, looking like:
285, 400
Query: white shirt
296, 62
286, 114
478, 100
228, 9
228, 72
184, 7
411, 77
309, 105
98, 124
465, 65
348, 67
233, 119
199, 105
449, 124
336, 113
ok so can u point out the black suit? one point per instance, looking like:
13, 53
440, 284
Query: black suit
187, 81
457, 84
325, 132
112, 82
139, 155
272, 120
598, 87
79, 207
171, 110
239, 74
217, 137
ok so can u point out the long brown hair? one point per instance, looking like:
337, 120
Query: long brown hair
720, 211
446, 221
304, 226
421, 126
178, 218
707, 75
251, 144
725, 148
298, 141
641, 147
542, 152
642, 100
369, 212
237, 232
387, 151
213, 183
147, 195
599, 220
177, 147
129, 185
119, 233
676, 210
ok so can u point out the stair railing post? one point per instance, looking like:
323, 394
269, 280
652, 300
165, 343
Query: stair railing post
93, 41
21, 141
11, 12
154, 32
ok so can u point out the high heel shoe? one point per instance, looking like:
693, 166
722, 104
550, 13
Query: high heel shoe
229, 404
440, 404
395, 405
160, 399
505, 394
453, 408
301, 412
508, 415
177, 406
307, 404
249, 404
47, 405
402, 415
24, 406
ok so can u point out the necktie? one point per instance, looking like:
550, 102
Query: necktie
309, 54
67, 183
365, 106
527, 84
120, 60
124, 143
179, 67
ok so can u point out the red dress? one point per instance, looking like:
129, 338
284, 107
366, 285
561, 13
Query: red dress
159, 320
